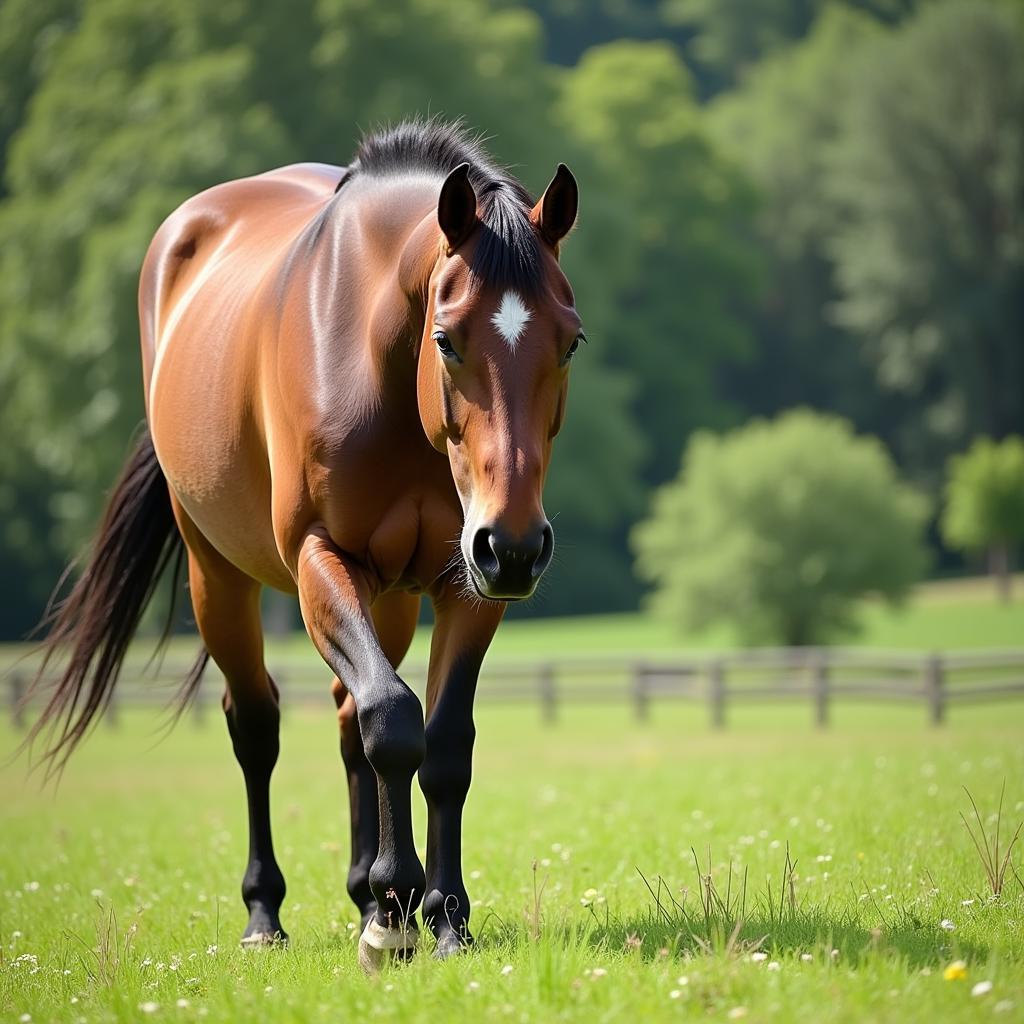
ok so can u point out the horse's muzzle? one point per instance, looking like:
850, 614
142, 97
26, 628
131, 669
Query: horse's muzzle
507, 568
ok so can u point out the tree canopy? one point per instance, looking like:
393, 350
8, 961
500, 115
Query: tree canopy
927, 174
777, 528
783, 204
984, 507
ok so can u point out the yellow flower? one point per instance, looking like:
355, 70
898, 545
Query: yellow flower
956, 971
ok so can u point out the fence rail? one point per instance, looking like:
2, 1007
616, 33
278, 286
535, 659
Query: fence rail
817, 676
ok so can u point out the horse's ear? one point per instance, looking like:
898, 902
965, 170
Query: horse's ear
456, 207
555, 212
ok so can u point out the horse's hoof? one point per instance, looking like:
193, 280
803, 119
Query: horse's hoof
379, 945
451, 944
264, 940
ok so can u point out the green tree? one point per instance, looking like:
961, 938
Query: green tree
662, 267
984, 507
778, 528
927, 174
779, 125
117, 110
730, 37
573, 26
31, 32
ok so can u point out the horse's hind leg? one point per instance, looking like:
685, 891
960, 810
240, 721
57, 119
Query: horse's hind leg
394, 618
227, 610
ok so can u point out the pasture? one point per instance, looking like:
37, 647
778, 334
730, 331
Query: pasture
119, 892
943, 614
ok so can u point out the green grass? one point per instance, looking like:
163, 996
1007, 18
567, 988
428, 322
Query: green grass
153, 836
942, 615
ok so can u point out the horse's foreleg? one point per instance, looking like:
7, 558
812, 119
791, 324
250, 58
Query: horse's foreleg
227, 613
461, 636
394, 618
334, 597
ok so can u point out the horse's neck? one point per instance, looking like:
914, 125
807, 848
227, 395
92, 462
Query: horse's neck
398, 247
369, 279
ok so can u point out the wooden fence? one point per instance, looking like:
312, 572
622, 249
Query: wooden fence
818, 676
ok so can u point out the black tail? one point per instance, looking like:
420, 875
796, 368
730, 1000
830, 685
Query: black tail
136, 542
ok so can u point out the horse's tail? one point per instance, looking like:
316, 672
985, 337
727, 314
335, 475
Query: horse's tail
137, 540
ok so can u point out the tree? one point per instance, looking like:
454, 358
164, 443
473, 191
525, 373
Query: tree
662, 266
778, 126
927, 174
730, 37
115, 111
778, 528
984, 507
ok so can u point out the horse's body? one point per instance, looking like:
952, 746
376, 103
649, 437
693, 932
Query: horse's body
346, 385
298, 403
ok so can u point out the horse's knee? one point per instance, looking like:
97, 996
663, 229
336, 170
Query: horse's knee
447, 769
390, 720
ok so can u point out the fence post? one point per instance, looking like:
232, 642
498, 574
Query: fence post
641, 693
548, 694
934, 685
17, 693
716, 693
821, 690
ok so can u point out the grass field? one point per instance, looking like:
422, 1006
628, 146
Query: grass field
119, 894
942, 615
947, 614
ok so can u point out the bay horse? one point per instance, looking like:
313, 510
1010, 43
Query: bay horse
353, 377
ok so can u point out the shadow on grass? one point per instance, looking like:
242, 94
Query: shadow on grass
727, 922
817, 933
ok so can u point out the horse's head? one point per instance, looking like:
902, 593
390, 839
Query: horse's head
500, 331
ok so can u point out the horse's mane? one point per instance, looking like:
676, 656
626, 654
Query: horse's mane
508, 252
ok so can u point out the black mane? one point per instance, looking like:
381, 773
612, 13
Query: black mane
508, 253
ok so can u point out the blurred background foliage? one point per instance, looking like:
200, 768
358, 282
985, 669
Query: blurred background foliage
784, 203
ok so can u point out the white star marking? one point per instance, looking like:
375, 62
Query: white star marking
511, 318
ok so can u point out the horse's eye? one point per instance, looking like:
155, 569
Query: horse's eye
572, 349
445, 346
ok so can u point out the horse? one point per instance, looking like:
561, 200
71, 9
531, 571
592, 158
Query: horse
353, 378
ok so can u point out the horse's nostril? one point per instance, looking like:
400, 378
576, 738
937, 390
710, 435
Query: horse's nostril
485, 557
547, 548
510, 565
